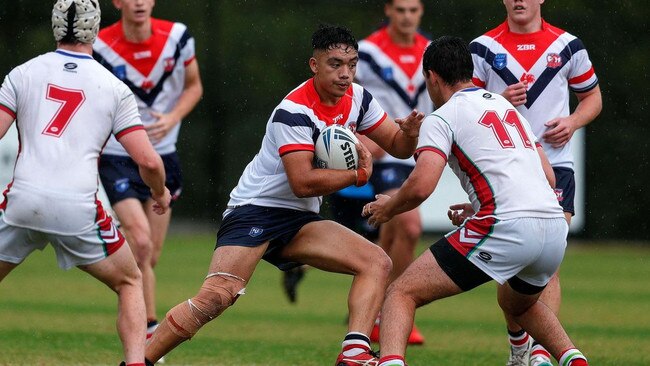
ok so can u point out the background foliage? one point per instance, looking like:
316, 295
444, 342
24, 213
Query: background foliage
253, 52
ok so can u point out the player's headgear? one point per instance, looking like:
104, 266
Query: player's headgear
75, 20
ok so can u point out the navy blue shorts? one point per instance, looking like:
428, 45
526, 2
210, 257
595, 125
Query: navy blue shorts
121, 178
252, 226
347, 212
565, 188
387, 176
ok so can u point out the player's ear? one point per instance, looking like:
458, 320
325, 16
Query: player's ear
313, 65
117, 4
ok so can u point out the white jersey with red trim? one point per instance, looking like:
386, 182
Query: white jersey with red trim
551, 61
294, 125
153, 69
491, 148
66, 106
393, 75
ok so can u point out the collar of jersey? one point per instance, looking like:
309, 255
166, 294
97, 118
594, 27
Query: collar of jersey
74, 54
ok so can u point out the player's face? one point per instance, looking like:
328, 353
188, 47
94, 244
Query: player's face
135, 11
334, 70
404, 15
522, 12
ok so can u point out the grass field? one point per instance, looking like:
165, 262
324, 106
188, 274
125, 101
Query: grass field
52, 317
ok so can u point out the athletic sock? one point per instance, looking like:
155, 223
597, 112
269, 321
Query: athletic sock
392, 360
151, 326
573, 357
539, 350
519, 339
355, 343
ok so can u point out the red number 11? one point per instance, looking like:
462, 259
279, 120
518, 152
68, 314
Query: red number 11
71, 100
492, 120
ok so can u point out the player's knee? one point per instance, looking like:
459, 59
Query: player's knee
379, 261
215, 296
410, 226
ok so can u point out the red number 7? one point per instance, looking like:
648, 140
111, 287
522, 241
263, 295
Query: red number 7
71, 100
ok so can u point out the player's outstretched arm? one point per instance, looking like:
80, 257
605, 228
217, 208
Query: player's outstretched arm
418, 187
150, 165
5, 122
399, 137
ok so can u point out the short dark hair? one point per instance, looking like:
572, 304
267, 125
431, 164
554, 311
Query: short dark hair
327, 37
449, 57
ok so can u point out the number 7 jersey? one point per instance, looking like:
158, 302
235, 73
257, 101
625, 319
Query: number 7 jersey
66, 106
492, 150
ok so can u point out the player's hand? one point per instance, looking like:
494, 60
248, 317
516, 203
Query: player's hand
159, 129
376, 211
410, 124
459, 212
365, 158
162, 201
516, 94
560, 131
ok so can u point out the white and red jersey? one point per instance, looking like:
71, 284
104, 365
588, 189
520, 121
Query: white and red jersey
491, 148
66, 106
551, 61
154, 70
393, 75
294, 125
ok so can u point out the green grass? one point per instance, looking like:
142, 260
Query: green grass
52, 317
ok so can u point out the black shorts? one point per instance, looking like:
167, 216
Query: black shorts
121, 178
466, 275
387, 176
565, 188
252, 226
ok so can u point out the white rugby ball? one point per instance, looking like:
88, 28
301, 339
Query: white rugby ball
335, 148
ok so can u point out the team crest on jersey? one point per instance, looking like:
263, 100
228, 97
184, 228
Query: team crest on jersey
169, 64
387, 73
553, 60
500, 61
120, 72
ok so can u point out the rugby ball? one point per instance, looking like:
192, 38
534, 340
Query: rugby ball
335, 148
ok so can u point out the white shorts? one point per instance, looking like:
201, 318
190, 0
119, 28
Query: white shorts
16, 243
530, 248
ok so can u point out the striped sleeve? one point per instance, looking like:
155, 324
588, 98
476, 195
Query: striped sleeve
371, 114
479, 77
582, 76
292, 131
435, 135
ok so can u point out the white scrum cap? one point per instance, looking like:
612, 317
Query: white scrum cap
76, 20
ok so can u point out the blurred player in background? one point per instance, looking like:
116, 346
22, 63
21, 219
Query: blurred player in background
533, 65
513, 232
390, 69
273, 212
156, 59
66, 105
